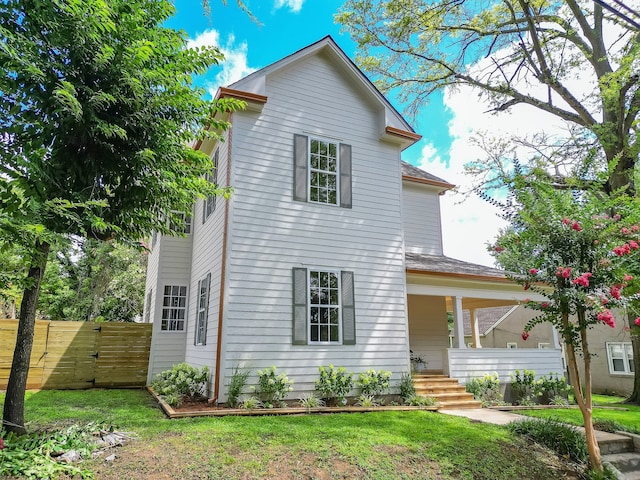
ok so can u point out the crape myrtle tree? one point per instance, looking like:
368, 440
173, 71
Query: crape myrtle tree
563, 245
96, 115
572, 59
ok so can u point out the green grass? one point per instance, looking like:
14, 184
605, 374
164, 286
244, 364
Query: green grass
379, 445
629, 417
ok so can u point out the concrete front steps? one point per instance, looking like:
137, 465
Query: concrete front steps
447, 391
622, 453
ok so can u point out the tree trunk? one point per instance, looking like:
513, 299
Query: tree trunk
635, 344
13, 415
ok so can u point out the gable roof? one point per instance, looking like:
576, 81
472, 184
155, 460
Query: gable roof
396, 128
487, 318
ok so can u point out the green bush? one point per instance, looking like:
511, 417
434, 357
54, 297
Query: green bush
421, 401
486, 389
334, 384
182, 383
238, 382
372, 383
272, 389
551, 388
523, 387
407, 389
563, 439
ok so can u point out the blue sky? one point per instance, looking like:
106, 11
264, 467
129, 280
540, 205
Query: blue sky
288, 25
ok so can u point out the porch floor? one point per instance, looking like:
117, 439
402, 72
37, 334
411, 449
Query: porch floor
447, 391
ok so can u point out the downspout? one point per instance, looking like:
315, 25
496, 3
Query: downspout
223, 269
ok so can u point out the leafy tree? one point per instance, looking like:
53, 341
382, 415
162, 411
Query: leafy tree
97, 111
518, 53
562, 246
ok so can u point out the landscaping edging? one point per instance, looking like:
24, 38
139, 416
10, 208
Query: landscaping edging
508, 408
171, 413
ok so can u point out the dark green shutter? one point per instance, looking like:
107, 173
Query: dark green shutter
348, 309
299, 336
345, 175
300, 165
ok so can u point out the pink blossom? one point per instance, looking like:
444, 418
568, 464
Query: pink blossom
615, 291
604, 300
583, 280
624, 249
533, 271
627, 277
526, 286
1, 443
525, 335
566, 221
617, 217
607, 317
635, 228
544, 305
625, 230
633, 244
576, 226
498, 249
566, 273
637, 322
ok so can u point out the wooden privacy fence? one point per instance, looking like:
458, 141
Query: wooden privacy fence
78, 355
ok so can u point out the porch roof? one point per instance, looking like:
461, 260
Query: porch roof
439, 264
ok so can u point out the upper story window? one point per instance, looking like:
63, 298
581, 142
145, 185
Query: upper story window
620, 357
323, 307
174, 308
322, 171
209, 204
185, 227
203, 311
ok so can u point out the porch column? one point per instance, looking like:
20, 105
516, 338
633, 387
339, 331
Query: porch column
458, 322
556, 339
475, 331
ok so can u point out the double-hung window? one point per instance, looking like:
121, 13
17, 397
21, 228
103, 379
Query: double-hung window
620, 357
321, 171
209, 204
174, 308
184, 225
203, 310
323, 307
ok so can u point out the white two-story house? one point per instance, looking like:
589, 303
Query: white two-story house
329, 251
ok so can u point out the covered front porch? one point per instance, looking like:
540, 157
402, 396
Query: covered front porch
439, 288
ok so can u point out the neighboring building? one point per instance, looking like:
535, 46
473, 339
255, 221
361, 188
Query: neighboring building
612, 355
329, 251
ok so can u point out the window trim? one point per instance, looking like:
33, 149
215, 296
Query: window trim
542, 347
625, 358
209, 203
512, 345
202, 311
185, 308
338, 275
311, 170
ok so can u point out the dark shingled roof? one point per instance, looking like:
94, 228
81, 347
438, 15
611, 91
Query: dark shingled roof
442, 264
411, 171
487, 318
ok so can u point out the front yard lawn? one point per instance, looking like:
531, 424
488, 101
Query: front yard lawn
379, 445
629, 417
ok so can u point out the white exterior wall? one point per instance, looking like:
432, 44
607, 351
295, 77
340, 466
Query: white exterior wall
171, 259
428, 329
270, 233
207, 258
421, 219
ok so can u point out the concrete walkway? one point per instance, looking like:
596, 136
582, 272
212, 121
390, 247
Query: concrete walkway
617, 450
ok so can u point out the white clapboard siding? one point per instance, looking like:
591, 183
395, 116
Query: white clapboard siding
421, 219
207, 258
270, 233
428, 329
468, 363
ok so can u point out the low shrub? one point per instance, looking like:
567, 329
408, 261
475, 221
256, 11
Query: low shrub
563, 439
238, 382
182, 383
366, 401
309, 400
272, 389
550, 388
251, 403
372, 383
421, 401
407, 389
486, 389
524, 388
334, 384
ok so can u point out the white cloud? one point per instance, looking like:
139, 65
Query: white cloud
233, 67
293, 5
